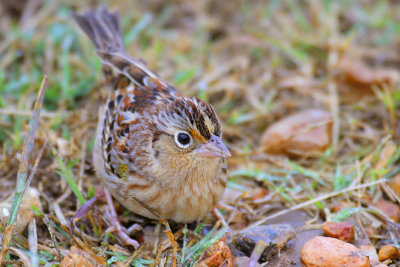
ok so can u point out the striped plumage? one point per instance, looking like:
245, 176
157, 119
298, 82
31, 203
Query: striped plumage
153, 145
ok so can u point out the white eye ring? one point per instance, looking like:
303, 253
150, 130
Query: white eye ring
183, 139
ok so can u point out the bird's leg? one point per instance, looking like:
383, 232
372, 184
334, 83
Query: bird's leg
171, 238
220, 217
104, 195
116, 225
224, 206
168, 231
134, 227
184, 231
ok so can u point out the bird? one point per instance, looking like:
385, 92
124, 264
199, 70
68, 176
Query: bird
159, 153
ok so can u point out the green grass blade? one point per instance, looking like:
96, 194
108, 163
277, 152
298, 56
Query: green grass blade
67, 174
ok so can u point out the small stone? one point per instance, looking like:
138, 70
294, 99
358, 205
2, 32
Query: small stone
330, 252
389, 208
275, 235
243, 261
340, 230
289, 255
388, 252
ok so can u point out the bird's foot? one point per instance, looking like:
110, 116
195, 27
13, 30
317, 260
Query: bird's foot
116, 226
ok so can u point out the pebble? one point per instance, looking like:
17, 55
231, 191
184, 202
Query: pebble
289, 255
388, 252
340, 230
330, 252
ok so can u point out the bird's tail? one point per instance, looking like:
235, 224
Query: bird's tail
103, 28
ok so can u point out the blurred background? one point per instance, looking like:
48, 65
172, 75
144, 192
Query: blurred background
307, 92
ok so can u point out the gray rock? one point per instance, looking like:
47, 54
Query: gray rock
290, 255
276, 236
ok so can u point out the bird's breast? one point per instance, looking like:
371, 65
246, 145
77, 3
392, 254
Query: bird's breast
187, 196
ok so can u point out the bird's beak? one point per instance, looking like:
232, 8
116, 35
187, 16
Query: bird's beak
215, 148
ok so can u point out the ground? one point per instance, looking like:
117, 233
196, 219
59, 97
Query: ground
257, 63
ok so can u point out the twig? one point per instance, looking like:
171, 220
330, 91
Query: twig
127, 262
53, 237
33, 243
22, 181
332, 86
7, 161
28, 113
29, 10
312, 201
35, 165
257, 252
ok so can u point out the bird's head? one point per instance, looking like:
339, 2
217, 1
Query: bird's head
189, 128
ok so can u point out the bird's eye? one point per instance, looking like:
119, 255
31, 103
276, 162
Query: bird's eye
182, 139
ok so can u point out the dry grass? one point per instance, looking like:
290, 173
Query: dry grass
256, 63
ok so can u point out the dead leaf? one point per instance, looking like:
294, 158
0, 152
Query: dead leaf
80, 258
218, 254
396, 184
306, 133
25, 213
386, 155
355, 78
389, 208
